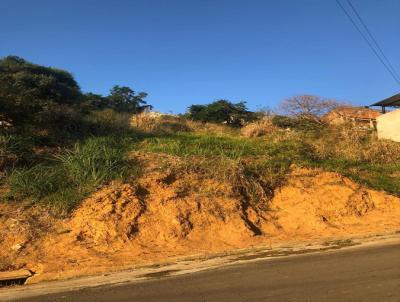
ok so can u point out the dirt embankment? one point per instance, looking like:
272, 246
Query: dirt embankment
164, 216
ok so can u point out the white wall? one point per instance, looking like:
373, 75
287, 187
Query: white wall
388, 125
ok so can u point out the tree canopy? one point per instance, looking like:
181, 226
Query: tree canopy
221, 111
123, 98
31, 93
27, 88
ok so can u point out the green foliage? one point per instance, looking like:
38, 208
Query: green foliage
27, 89
68, 177
205, 145
45, 101
68, 125
97, 160
222, 111
49, 114
377, 176
92, 101
124, 99
14, 149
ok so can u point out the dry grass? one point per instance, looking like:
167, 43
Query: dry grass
171, 124
251, 180
212, 129
355, 145
160, 123
258, 128
254, 163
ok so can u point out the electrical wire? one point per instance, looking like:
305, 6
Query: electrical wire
368, 42
373, 39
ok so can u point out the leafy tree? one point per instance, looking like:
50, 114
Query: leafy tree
92, 101
221, 111
125, 99
27, 89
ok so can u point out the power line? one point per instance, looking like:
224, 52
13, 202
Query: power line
373, 39
368, 42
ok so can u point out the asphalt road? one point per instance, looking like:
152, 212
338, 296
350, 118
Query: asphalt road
365, 274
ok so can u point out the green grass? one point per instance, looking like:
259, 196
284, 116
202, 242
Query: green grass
278, 154
14, 149
204, 145
254, 167
65, 179
384, 177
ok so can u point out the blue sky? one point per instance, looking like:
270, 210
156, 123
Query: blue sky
183, 51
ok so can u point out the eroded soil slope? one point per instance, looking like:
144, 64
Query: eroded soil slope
165, 215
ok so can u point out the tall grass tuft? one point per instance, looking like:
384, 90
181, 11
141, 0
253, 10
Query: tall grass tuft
14, 149
97, 160
70, 176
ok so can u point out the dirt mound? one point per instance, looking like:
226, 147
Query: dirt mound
325, 203
156, 213
108, 217
165, 215
19, 226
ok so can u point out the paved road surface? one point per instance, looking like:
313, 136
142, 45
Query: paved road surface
367, 274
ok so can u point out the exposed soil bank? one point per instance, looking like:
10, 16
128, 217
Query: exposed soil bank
165, 215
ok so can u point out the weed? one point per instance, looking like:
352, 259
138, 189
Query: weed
68, 177
14, 149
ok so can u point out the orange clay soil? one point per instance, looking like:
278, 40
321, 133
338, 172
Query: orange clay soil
157, 219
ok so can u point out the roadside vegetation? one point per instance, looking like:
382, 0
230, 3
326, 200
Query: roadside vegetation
58, 145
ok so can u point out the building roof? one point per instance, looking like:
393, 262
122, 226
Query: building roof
355, 112
393, 101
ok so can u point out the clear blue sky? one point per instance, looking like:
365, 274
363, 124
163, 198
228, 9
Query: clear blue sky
195, 51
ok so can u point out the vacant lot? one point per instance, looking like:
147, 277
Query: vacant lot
156, 188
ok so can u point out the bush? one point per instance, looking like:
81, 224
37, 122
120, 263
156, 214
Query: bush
222, 111
27, 89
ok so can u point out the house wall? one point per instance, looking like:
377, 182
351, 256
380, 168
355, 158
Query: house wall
388, 126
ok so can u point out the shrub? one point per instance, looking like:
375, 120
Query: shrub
222, 111
28, 89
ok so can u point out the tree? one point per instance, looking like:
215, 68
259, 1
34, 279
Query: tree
27, 89
92, 101
308, 106
123, 98
221, 111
